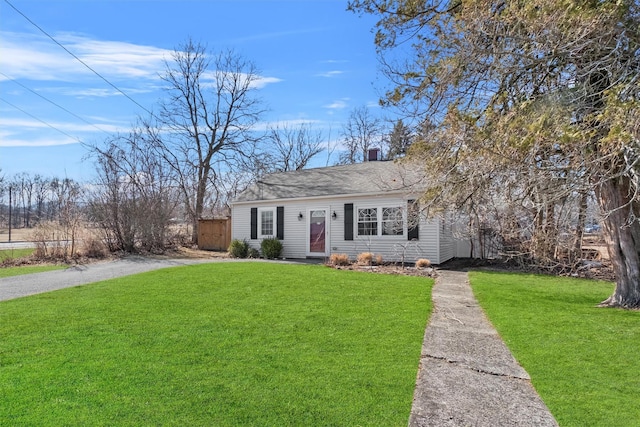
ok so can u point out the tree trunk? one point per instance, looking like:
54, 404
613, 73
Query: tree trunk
613, 197
582, 222
199, 206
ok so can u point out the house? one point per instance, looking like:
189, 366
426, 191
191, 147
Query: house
347, 209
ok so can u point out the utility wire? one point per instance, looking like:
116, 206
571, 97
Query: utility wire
78, 59
57, 105
42, 121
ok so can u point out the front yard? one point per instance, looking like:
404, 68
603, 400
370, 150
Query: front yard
216, 344
583, 360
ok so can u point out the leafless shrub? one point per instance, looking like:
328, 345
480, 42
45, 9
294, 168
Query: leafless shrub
92, 246
51, 241
134, 199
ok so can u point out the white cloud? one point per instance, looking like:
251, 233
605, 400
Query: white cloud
339, 104
264, 81
33, 133
39, 58
36, 57
36, 142
257, 82
133, 68
330, 74
21, 125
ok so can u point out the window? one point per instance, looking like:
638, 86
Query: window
392, 222
384, 221
266, 223
368, 222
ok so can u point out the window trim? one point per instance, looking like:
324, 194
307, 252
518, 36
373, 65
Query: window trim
366, 225
379, 221
383, 221
261, 234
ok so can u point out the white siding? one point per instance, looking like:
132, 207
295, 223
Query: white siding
293, 245
432, 244
448, 246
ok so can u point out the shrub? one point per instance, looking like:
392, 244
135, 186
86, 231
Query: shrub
379, 260
423, 263
238, 248
271, 248
365, 258
339, 259
93, 247
253, 253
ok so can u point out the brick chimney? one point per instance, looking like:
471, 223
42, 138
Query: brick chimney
373, 155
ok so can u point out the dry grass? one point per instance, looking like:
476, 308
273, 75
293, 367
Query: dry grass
365, 258
339, 260
17, 234
369, 258
423, 263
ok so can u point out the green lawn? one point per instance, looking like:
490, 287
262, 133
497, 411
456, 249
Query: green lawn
216, 344
583, 361
15, 253
28, 269
23, 269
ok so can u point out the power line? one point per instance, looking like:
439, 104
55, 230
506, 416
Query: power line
52, 102
41, 121
78, 59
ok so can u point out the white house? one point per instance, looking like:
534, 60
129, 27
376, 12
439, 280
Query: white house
350, 209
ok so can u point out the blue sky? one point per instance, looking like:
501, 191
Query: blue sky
317, 62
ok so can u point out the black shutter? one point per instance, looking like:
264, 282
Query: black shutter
348, 221
254, 223
413, 219
280, 222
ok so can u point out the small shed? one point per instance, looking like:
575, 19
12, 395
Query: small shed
214, 234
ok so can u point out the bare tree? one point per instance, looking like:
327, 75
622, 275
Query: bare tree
538, 96
23, 182
40, 194
60, 237
362, 132
206, 120
290, 149
134, 198
3, 189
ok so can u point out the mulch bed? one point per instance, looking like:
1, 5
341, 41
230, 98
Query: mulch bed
600, 270
390, 269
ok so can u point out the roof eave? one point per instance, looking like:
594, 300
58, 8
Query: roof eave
330, 196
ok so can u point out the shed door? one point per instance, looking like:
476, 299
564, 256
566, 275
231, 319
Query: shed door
317, 232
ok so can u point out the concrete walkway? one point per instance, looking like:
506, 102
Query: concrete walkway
467, 375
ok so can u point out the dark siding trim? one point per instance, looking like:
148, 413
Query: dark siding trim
254, 223
413, 220
348, 221
280, 222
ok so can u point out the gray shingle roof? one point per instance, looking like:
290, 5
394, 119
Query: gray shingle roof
359, 178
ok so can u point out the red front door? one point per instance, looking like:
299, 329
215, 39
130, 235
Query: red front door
317, 231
